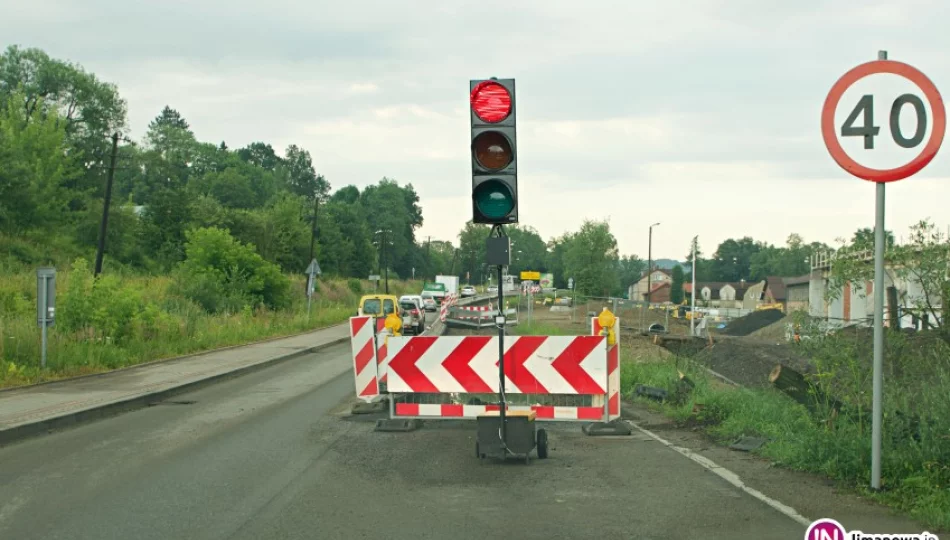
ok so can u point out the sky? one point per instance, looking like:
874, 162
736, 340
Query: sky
702, 115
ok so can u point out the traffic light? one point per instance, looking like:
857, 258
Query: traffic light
494, 151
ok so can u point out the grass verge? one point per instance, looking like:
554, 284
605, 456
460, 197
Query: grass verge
130, 319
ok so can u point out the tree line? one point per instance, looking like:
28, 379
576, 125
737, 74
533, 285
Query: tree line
57, 122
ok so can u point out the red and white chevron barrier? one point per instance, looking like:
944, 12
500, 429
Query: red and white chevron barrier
362, 340
613, 367
447, 302
469, 364
581, 366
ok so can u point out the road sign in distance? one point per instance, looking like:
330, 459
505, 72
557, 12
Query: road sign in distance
883, 121
533, 276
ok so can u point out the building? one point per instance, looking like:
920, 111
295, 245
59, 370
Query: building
661, 293
854, 303
796, 293
774, 290
638, 291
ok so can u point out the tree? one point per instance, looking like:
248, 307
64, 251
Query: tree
629, 269
261, 155
34, 168
302, 178
676, 287
921, 263
472, 249
91, 109
591, 258
733, 259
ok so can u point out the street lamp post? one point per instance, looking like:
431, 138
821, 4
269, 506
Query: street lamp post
650, 267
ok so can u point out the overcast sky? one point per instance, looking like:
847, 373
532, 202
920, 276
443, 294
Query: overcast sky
702, 115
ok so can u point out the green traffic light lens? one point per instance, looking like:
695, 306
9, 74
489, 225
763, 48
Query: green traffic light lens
494, 199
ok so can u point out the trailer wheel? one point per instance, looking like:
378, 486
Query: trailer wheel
542, 444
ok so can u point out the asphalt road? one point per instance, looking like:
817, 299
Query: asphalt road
275, 454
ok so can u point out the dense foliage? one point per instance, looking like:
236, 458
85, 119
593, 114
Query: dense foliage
56, 127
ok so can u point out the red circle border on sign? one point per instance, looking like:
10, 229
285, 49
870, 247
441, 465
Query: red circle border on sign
830, 134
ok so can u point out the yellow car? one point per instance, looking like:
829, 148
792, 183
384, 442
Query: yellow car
378, 305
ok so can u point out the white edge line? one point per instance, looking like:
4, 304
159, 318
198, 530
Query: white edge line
728, 476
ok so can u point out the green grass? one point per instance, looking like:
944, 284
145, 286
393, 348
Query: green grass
916, 474
540, 329
141, 318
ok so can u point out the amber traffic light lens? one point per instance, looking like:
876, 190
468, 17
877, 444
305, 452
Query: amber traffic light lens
492, 150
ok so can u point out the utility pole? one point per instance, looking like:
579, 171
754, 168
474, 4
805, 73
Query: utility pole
386, 257
650, 267
692, 293
100, 251
428, 256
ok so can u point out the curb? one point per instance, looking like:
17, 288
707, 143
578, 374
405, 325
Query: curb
167, 360
25, 431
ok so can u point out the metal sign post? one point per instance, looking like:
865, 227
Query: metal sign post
312, 272
863, 149
45, 305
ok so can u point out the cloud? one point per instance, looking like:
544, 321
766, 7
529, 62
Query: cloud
702, 114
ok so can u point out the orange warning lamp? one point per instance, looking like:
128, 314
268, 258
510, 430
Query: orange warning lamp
607, 321
393, 323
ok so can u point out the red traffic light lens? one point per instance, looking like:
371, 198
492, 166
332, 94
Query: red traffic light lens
491, 101
492, 150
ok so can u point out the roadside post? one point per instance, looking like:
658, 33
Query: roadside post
312, 272
858, 146
45, 305
570, 285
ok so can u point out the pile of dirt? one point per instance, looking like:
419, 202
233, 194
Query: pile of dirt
743, 326
775, 331
748, 363
641, 349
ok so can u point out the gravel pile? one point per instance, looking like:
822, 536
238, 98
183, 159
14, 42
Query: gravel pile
743, 326
749, 363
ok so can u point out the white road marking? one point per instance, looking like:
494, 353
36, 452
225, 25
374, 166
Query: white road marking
728, 476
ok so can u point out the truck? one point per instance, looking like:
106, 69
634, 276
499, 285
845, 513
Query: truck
451, 283
435, 290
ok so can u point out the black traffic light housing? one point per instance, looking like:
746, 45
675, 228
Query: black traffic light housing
494, 151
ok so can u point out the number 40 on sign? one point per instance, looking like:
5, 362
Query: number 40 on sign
883, 121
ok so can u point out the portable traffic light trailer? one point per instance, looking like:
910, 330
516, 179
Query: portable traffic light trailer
557, 378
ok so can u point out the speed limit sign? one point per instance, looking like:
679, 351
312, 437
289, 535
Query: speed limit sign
883, 121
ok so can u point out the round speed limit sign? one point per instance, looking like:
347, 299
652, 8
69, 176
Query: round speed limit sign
883, 121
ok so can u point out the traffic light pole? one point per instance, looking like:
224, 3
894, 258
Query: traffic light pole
498, 254
501, 362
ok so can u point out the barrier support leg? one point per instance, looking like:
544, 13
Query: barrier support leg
393, 424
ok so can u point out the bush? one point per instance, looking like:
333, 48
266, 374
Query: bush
222, 274
102, 309
355, 286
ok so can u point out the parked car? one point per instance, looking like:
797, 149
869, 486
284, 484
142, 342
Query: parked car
413, 317
377, 305
429, 301
468, 291
492, 289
